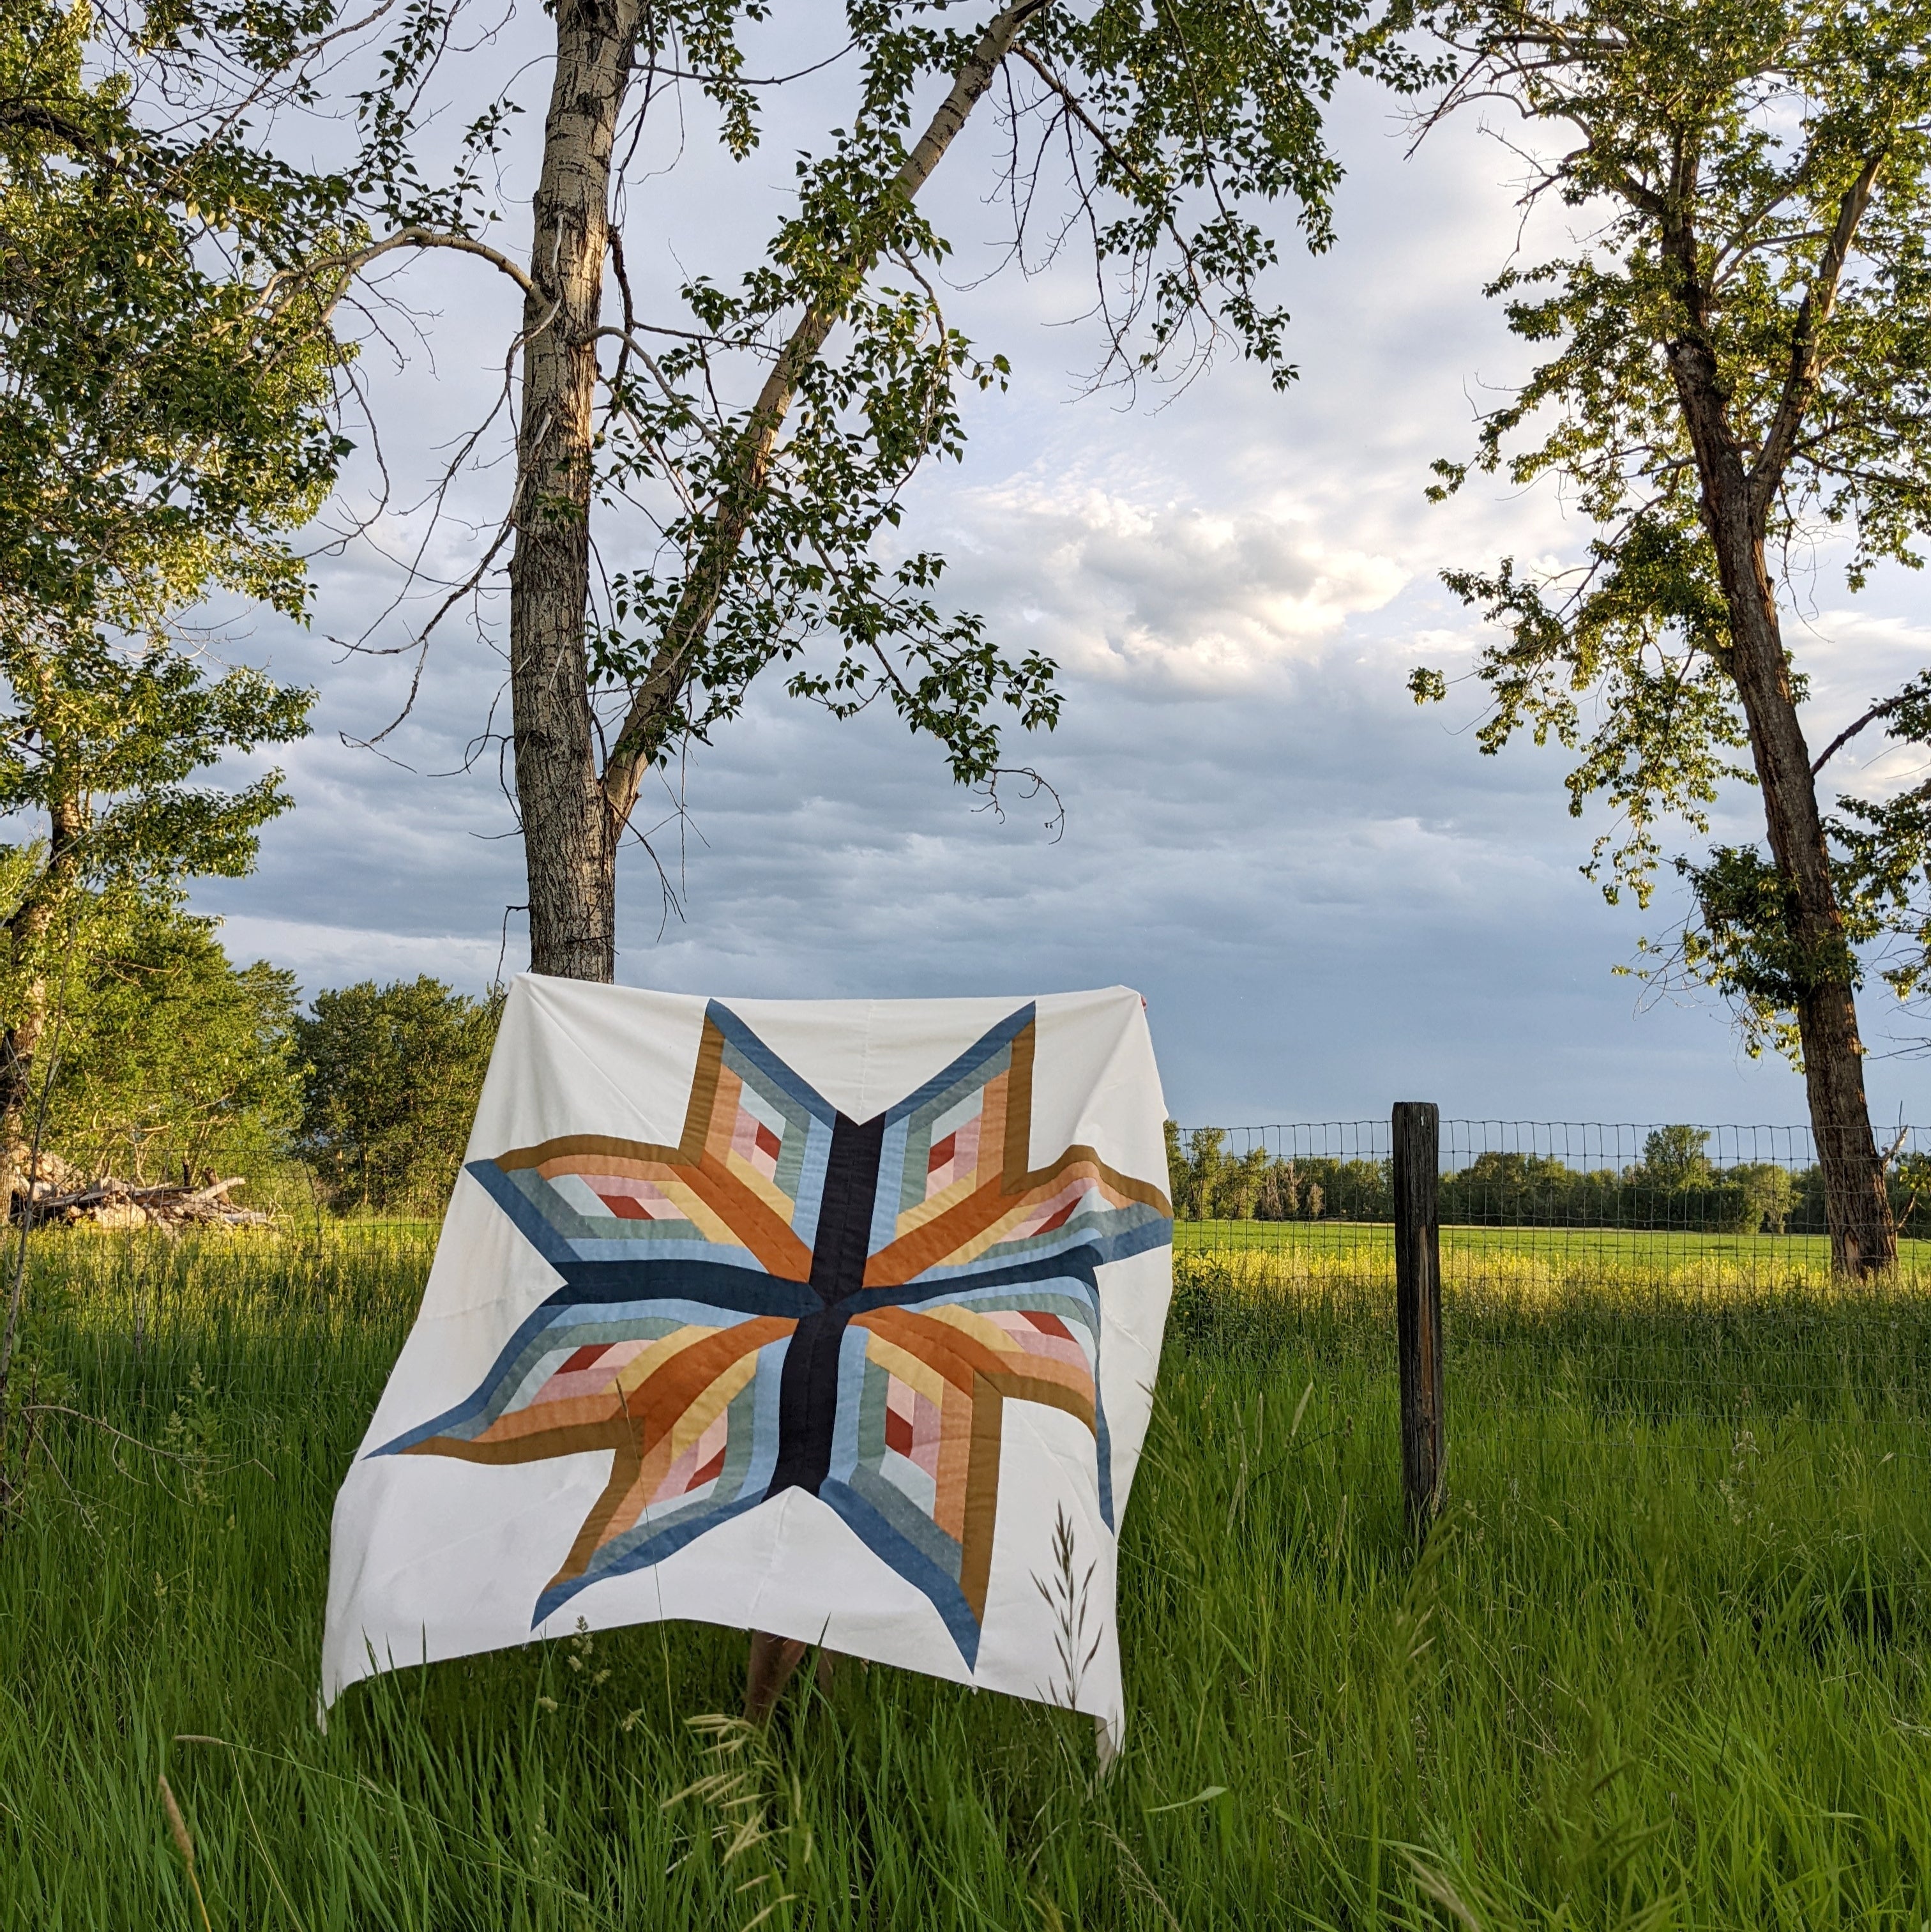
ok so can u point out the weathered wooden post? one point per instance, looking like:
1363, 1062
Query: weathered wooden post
1417, 1186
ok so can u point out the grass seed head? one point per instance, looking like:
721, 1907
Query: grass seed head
177, 1824
184, 1843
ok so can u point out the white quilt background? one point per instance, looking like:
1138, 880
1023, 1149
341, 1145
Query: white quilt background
433, 1557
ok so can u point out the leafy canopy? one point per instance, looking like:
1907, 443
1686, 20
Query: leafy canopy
109, 739
1764, 145
167, 421
171, 1057
390, 1078
167, 416
756, 442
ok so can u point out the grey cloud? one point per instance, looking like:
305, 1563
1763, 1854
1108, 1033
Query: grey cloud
1329, 899
1160, 595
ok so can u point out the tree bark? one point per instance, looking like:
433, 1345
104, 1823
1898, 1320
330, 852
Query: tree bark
572, 816
1864, 1237
27, 932
569, 835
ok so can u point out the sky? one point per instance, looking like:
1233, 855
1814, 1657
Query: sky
1329, 898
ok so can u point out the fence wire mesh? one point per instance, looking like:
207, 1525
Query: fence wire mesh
1590, 1270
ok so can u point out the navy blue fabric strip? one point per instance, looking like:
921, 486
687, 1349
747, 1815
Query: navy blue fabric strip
554, 1245
767, 1063
743, 1290
910, 1561
988, 1043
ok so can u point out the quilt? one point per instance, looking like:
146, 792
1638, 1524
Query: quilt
835, 1319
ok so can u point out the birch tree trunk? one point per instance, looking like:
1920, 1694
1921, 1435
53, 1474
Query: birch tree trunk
569, 833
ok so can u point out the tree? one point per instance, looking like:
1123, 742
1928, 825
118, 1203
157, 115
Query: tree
1734, 362
166, 419
167, 413
170, 1056
390, 1080
1769, 1192
105, 740
1674, 1158
762, 437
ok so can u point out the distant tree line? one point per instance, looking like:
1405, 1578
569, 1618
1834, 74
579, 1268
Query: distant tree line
169, 1061
169, 1058
1675, 1185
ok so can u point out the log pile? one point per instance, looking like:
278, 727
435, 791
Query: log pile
57, 1197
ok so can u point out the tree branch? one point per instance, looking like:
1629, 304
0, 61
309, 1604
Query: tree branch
1076, 110
647, 719
1850, 731
354, 261
1806, 360
42, 120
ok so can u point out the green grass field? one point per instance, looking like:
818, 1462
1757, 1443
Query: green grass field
1664, 1664
1467, 1252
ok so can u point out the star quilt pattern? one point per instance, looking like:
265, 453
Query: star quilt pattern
788, 1297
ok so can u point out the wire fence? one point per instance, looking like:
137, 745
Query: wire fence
1589, 1269
1595, 1277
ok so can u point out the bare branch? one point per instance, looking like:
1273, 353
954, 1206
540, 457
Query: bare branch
1850, 731
354, 261
1806, 354
1075, 110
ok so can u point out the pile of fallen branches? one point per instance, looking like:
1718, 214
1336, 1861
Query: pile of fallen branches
108, 1203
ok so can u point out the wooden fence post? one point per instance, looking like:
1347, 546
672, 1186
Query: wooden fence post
1417, 1185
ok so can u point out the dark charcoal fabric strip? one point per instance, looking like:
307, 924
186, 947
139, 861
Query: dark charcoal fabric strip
807, 1392
742, 1290
844, 1217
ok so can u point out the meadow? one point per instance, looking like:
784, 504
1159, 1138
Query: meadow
1663, 1663
1670, 1256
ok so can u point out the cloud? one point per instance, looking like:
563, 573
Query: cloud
335, 956
1171, 592
1330, 899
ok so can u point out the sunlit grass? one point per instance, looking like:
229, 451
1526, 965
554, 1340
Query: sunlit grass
1594, 1257
1664, 1663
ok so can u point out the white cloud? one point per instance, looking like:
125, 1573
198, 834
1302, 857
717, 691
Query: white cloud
1117, 587
334, 955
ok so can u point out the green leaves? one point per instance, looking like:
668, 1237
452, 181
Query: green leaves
1640, 629
1733, 371
108, 740
391, 1077
1181, 126
167, 420
163, 425
169, 1053
1885, 851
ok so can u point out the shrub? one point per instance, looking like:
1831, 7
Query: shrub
389, 1086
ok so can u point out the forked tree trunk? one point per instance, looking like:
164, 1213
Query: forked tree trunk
1863, 1237
569, 836
573, 817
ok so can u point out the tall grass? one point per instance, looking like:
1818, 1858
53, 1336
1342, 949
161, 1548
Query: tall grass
1699, 1333
1664, 1664
1676, 1255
